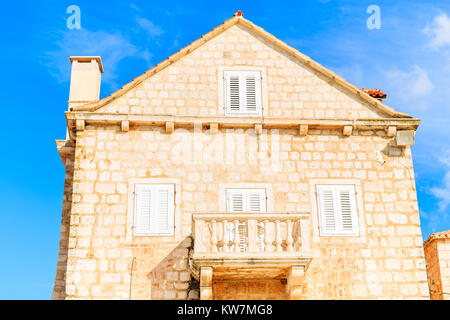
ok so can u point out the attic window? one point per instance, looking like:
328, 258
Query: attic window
242, 92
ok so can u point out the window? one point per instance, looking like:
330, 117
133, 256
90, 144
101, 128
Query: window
242, 92
247, 201
337, 210
154, 209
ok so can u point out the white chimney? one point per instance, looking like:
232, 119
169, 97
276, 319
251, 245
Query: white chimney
85, 80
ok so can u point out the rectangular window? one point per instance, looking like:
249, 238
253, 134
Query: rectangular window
154, 209
337, 210
242, 92
246, 201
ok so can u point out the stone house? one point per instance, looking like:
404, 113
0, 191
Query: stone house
238, 168
437, 254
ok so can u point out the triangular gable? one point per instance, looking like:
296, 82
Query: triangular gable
239, 19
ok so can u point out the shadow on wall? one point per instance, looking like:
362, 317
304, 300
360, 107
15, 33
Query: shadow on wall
172, 278
59, 289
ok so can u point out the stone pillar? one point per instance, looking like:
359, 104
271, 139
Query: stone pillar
295, 279
206, 283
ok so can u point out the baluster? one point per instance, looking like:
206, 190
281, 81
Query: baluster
199, 246
252, 231
214, 236
289, 238
236, 236
278, 236
225, 236
304, 235
267, 237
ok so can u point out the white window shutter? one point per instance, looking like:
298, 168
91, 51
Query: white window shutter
143, 205
234, 93
337, 210
246, 200
327, 209
252, 92
347, 210
242, 92
154, 209
165, 209
235, 201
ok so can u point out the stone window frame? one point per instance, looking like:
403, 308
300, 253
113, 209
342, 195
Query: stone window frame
362, 237
221, 90
177, 209
245, 185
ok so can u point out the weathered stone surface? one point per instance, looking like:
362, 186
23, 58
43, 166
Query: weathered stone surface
97, 257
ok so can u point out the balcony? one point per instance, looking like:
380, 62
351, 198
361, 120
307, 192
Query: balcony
250, 246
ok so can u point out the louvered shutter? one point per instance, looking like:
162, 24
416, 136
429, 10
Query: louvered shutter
242, 92
337, 210
154, 209
252, 92
143, 204
327, 211
347, 210
246, 200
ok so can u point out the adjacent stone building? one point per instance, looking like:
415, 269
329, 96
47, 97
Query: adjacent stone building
437, 254
238, 168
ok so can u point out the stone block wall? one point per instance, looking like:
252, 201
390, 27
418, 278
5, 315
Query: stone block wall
249, 290
59, 291
104, 261
443, 248
433, 270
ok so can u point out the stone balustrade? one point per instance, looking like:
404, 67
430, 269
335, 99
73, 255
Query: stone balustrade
251, 245
251, 232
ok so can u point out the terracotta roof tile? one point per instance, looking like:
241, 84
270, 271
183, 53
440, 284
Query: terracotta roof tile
438, 235
375, 93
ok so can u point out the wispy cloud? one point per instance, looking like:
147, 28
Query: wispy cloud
113, 47
148, 26
411, 85
443, 194
439, 32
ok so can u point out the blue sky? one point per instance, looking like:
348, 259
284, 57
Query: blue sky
408, 58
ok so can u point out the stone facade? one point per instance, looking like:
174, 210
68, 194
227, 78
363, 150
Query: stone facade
437, 254
101, 259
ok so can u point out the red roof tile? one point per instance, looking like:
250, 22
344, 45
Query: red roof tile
375, 93
438, 235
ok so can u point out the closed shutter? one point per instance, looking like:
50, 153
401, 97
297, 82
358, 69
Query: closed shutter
242, 92
154, 209
337, 210
246, 200
143, 200
234, 93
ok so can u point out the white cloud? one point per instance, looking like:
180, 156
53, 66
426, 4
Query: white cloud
443, 194
439, 32
152, 29
410, 85
112, 47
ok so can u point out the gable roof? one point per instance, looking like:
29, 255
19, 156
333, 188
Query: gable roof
238, 18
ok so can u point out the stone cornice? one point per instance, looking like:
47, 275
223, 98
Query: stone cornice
65, 148
78, 121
